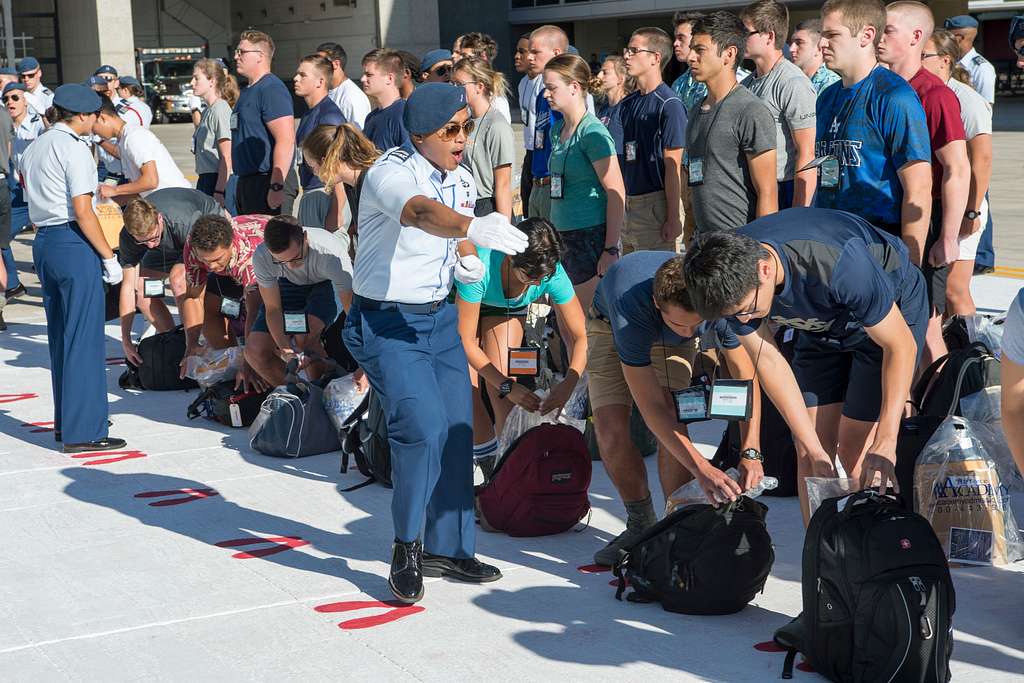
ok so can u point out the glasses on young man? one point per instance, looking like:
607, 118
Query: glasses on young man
631, 51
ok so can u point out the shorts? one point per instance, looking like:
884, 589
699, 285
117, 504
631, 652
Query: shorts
207, 183
488, 311
251, 195
849, 370
224, 286
315, 300
645, 214
607, 384
582, 251
314, 206
969, 245
935, 277
161, 261
540, 202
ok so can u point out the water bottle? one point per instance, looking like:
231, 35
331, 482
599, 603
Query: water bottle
692, 493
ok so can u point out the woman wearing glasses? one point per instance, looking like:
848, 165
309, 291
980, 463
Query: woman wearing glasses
27, 127
491, 143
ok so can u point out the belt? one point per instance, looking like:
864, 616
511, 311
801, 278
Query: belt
413, 309
71, 224
540, 182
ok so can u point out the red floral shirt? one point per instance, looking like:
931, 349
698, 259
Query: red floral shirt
248, 234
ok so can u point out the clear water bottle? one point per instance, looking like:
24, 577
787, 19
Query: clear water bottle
691, 493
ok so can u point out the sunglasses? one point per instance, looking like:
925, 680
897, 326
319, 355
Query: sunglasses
451, 131
108, 78
442, 71
34, 74
11, 98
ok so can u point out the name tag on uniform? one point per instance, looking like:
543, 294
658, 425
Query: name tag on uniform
230, 308
524, 361
556, 186
696, 171
234, 121
152, 287
538, 139
731, 399
295, 323
630, 150
691, 404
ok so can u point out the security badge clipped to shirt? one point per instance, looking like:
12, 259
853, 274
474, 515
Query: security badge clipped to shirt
230, 308
828, 170
556, 186
630, 150
152, 287
524, 361
725, 399
695, 170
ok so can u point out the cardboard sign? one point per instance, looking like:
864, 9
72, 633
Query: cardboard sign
111, 222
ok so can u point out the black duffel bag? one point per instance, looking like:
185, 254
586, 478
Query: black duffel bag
161, 360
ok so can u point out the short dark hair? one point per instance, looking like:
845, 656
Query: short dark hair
281, 232
481, 43
410, 63
334, 52
107, 107
544, 250
685, 17
721, 269
658, 41
322, 65
670, 285
768, 15
809, 25
389, 61
726, 30
210, 232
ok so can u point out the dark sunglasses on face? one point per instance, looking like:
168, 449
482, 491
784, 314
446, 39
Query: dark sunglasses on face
451, 131
25, 77
442, 71
11, 98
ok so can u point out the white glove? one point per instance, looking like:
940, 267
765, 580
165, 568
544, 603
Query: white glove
493, 231
112, 271
469, 269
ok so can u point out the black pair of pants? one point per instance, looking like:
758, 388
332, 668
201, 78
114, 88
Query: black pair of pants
251, 195
526, 182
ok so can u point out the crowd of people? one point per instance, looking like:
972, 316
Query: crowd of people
835, 193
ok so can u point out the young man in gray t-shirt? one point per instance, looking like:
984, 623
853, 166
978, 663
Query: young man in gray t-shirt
730, 139
789, 96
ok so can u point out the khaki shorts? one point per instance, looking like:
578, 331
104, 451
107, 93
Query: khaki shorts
540, 202
645, 214
607, 383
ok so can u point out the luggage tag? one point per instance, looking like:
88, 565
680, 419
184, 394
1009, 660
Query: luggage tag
630, 150
828, 170
152, 287
731, 399
556, 186
230, 308
236, 414
524, 361
696, 170
295, 323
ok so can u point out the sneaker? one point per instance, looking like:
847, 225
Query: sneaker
608, 555
105, 444
980, 269
406, 578
486, 465
15, 292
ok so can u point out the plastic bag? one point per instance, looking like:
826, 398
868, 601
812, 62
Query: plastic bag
341, 397
987, 330
214, 365
519, 422
820, 489
982, 410
691, 493
958, 488
578, 405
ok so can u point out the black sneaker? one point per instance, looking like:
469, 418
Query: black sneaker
470, 569
980, 269
15, 292
486, 465
58, 437
107, 444
406, 579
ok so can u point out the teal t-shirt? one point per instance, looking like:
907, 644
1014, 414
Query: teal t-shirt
489, 290
584, 200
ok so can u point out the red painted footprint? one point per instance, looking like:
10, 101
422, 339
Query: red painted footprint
593, 569
396, 611
189, 496
107, 457
42, 426
804, 665
279, 544
769, 646
11, 398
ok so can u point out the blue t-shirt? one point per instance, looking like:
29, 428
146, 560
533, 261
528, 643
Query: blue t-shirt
625, 298
611, 117
841, 273
1013, 330
873, 128
252, 146
385, 128
651, 124
545, 118
490, 291
324, 113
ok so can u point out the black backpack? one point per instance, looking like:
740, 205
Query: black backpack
700, 559
878, 600
367, 442
161, 358
224, 404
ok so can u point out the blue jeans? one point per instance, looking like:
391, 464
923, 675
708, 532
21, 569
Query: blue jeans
986, 255
416, 363
14, 218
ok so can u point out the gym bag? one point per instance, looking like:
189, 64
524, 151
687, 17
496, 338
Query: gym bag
292, 422
878, 600
365, 438
539, 487
700, 559
224, 404
161, 359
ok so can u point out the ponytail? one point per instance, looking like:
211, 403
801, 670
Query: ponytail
338, 147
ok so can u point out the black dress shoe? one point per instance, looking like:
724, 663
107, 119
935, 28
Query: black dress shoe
3, 325
469, 569
406, 579
107, 444
15, 291
57, 434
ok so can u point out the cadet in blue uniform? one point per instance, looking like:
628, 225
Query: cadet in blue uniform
39, 96
416, 205
71, 256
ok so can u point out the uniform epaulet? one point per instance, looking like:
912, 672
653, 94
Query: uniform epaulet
121, 108
47, 91
398, 153
34, 119
978, 60
466, 167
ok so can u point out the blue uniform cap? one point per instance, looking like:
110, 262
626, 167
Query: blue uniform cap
129, 80
8, 71
77, 98
431, 106
105, 69
961, 21
433, 57
15, 86
1016, 29
28, 64
572, 50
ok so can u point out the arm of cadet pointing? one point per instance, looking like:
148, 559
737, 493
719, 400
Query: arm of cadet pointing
434, 218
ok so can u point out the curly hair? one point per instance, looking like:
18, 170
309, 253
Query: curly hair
210, 232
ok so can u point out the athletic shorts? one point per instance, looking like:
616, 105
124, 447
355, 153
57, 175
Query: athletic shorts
582, 251
935, 277
161, 262
316, 300
488, 311
969, 245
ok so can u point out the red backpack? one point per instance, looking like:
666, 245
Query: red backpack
540, 486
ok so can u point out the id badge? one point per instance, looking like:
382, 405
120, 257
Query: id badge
230, 308
524, 361
731, 399
630, 150
538, 138
556, 186
295, 323
829, 173
696, 171
152, 287
691, 404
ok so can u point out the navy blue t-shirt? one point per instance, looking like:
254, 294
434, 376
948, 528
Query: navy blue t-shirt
651, 124
252, 146
625, 298
611, 117
384, 126
324, 113
841, 273
546, 118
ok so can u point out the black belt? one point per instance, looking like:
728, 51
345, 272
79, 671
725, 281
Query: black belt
413, 309
69, 224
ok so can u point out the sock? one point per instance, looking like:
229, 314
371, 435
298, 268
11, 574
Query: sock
640, 514
485, 450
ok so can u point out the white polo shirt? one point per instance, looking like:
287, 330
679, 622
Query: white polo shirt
403, 263
61, 167
352, 101
138, 146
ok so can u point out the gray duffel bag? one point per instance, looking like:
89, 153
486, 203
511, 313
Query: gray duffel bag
293, 422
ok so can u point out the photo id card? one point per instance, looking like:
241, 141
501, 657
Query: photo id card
829, 173
556, 186
152, 287
295, 323
696, 171
230, 308
731, 399
630, 149
691, 404
524, 361
538, 138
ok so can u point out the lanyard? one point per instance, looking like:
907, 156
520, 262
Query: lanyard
564, 156
714, 118
847, 111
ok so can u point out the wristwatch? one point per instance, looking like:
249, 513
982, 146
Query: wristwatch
752, 454
613, 250
505, 388
276, 187
971, 214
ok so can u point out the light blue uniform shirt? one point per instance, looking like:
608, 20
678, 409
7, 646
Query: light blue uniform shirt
25, 133
60, 166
